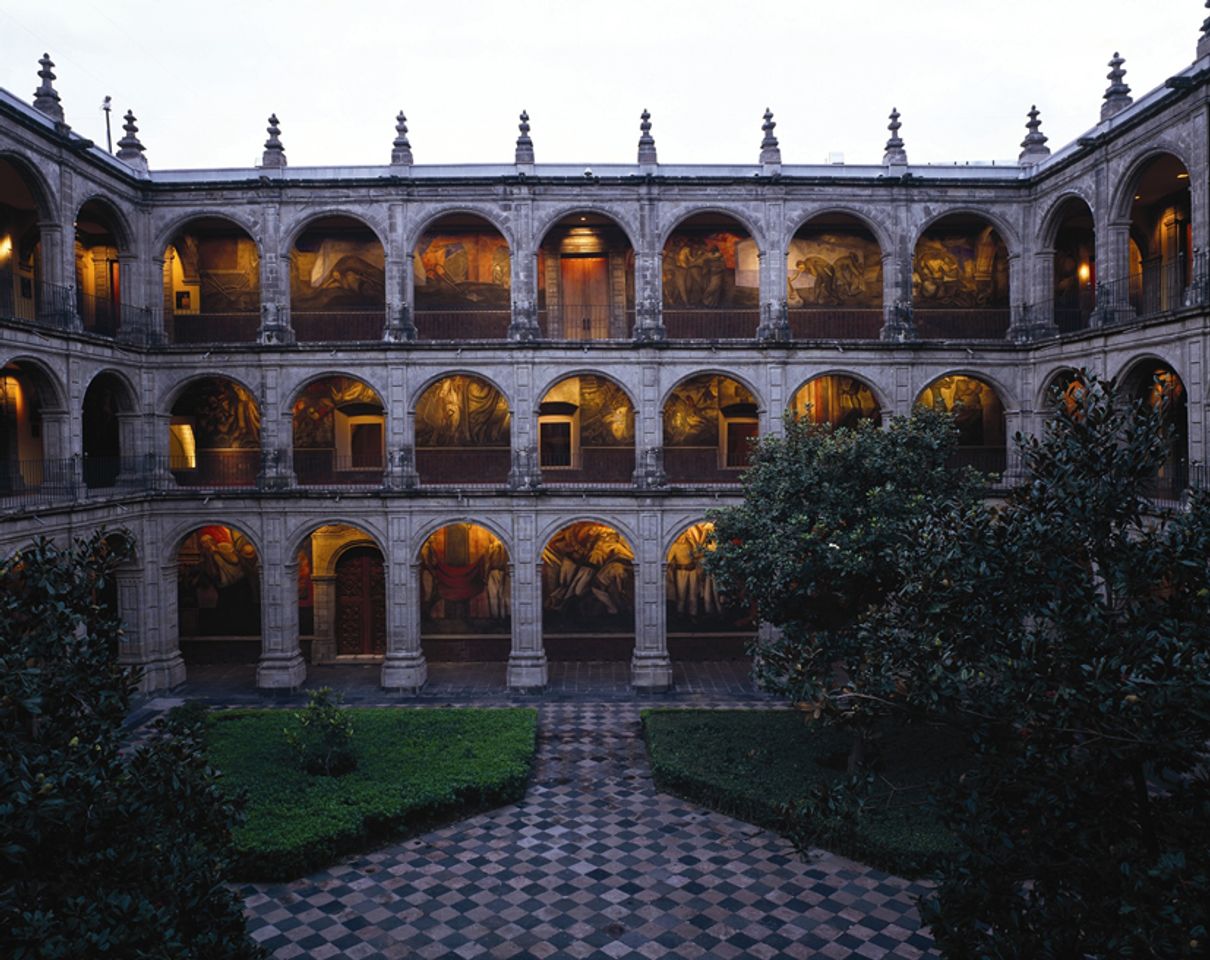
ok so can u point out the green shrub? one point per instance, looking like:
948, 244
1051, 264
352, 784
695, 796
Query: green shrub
322, 735
415, 768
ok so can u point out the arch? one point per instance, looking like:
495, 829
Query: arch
488, 214
1053, 216
214, 433
688, 213
585, 266
308, 219
839, 400
1159, 249
1043, 400
710, 273
106, 398
171, 541
1072, 235
562, 375
39, 187
612, 214
961, 277
710, 421
586, 430
834, 278
338, 432
337, 263
553, 525
465, 573
171, 394
119, 222
130, 391
881, 232
168, 233
1131, 366
979, 418
431, 525
1123, 199
220, 591
51, 392
1008, 233
717, 372
1006, 395
879, 391
702, 624
463, 431
312, 378
1158, 385
435, 378
462, 266
211, 280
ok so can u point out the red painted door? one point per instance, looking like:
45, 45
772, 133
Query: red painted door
361, 609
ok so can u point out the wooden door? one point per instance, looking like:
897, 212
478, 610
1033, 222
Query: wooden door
361, 609
584, 285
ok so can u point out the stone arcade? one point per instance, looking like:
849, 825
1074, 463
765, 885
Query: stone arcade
409, 413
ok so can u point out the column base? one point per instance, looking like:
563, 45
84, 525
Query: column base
404, 672
323, 650
163, 674
651, 672
281, 671
527, 671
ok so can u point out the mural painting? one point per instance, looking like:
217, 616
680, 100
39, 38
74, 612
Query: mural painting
462, 411
465, 587
838, 268
605, 412
218, 584
337, 273
314, 424
462, 270
711, 268
306, 591
957, 268
694, 603
978, 413
837, 400
212, 274
696, 407
588, 581
223, 414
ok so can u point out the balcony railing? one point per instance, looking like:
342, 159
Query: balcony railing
191, 328
473, 324
694, 465
586, 322
217, 468
463, 465
611, 465
338, 326
973, 323
826, 323
51, 306
711, 323
324, 468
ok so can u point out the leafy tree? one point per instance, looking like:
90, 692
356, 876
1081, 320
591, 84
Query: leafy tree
105, 849
816, 542
322, 734
1068, 632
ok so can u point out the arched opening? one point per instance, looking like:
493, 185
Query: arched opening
339, 433
702, 623
218, 597
836, 399
834, 280
24, 293
1061, 392
98, 270
465, 595
214, 435
337, 282
107, 404
342, 608
588, 594
960, 283
978, 416
211, 284
586, 432
462, 280
27, 473
711, 277
1075, 280
1158, 386
586, 279
710, 423
462, 432
1161, 236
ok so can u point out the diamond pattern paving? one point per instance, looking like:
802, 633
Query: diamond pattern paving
594, 862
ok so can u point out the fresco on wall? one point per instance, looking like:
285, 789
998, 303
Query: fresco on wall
978, 413
337, 273
226, 269
306, 592
694, 603
588, 581
834, 268
839, 400
694, 409
314, 426
711, 268
606, 413
225, 415
218, 584
462, 269
462, 411
960, 268
465, 585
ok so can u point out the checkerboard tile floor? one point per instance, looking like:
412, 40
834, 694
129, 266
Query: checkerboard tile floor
594, 862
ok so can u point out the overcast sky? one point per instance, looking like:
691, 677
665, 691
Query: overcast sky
202, 77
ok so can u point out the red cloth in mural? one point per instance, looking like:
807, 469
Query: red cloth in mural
459, 582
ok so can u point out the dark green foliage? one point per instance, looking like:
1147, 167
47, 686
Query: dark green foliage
321, 734
414, 768
760, 765
102, 852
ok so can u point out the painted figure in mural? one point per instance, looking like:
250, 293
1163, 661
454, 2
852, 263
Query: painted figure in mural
691, 414
496, 563
814, 282
462, 411
964, 398
590, 563
225, 415
606, 413
714, 267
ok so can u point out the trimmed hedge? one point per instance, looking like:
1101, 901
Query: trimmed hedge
415, 768
758, 765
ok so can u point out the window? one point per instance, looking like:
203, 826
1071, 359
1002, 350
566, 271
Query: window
555, 440
359, 441
739, 437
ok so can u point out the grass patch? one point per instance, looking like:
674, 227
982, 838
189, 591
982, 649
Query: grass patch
415, 768
758, 765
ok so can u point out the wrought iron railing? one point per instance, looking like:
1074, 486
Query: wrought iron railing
829, 323
190, 328
469, 324
324, 468
47, 305
711, 323
695, 465
610, 465
969, 323
463, 465
338, 326
586, 322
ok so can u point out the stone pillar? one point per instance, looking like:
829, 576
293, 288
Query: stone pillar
130, 454
648, 274
1019, 325
649, 431
281, 664
777, 395
774, 316
162, 663
1113, 275
404, 667
399, 325
527, 669
323, 643
897, 322
650, 667
276, 434
523, 260
275, 326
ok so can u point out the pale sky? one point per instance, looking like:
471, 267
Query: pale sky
203, 77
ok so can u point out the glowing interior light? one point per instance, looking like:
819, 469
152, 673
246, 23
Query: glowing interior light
1085, 273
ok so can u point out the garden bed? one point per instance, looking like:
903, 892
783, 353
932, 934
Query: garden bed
757, 765
415, 768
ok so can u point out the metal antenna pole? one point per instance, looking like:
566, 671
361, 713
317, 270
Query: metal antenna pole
105, 105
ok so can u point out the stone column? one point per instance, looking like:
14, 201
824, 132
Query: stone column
648, 274
130, 454
404, 667
275, 326
649, 431
650, 667
774, 318
399, 325
162, 663
281, 664
276, 434
527, 669
1113, 275
523, 260
323, 643
896, 300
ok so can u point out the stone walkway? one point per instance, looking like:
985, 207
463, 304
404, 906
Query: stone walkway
594, 862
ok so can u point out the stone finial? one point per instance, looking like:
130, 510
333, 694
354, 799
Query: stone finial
770, 152
130, 149
646, 140
1033, 147
895, 152
1117, 97
275, 153
401, 150
525, 146
46, 97
1203, 42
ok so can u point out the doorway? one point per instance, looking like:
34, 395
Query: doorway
584, 283
361, 610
